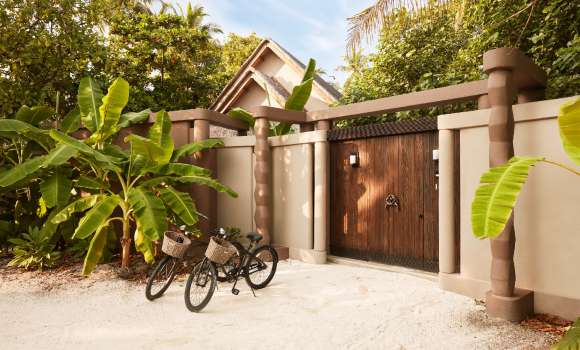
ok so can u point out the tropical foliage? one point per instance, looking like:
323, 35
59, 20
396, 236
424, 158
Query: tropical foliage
295, 102
170, 60
571, 340
34, 250
93, 178
499, 188
436, 49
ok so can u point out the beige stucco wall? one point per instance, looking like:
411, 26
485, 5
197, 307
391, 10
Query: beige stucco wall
546, 217
292, 181
292, 189
235, 169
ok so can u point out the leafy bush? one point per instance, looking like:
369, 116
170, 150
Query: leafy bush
436, 50
34, 250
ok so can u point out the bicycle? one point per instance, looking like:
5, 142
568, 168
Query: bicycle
257, 265
169, 266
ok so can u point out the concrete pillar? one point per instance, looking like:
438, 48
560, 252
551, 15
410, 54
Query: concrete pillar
503, 300
321, 193
447, 174
205, 197
262, 176
483, 102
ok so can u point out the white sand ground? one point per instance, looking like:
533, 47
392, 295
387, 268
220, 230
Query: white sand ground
305, 307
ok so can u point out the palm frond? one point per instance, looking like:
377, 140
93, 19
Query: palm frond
369, 22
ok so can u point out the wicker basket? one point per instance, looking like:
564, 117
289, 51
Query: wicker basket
219, 250
172, 247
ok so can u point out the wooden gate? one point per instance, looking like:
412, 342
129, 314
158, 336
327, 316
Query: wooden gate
384, 208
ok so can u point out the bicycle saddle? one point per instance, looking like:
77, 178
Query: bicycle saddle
254, 236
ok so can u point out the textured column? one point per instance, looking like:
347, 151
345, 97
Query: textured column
447, 190
483, 102
205, 197
262, 176
321, 194
504, 300
501, 149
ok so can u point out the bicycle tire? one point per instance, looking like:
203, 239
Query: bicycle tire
255, 257
160, 268
205, 266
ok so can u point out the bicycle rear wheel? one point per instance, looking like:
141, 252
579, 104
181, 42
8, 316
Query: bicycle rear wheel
200, 286
261, 267
161, 277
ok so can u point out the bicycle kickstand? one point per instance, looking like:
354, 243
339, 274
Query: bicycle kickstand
234, 290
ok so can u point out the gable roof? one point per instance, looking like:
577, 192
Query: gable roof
248, 74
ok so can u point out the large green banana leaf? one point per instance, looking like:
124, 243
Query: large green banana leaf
144, 245
132, 118
85, 149
149, 212
34, 115
89, 99
91, 183
110, 111
181, 204
301, 92
71, 121
77, 206
191, 148
95, 217
179, 169
192, 179
56, 189
160, 134
242, 115
58, 156
11, 128
21, 171
146, 148
569, 123
96, 247
570, 340
497, 194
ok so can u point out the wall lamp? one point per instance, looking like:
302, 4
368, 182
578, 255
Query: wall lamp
353, 159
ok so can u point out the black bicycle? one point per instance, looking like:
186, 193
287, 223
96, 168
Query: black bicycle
256, 264
164, 273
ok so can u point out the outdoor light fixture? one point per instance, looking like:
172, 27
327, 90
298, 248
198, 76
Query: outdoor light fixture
353, 160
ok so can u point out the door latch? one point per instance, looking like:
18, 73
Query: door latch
392, 201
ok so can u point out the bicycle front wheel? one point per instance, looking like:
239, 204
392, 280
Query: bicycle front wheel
200, 286
161, 277
261, 267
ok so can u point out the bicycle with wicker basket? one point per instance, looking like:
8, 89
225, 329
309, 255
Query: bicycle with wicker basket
256, 264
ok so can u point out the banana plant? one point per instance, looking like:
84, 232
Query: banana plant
295, 102
137, 187
147, 174
500, 187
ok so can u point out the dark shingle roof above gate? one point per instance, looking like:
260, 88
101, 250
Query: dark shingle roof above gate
393, 128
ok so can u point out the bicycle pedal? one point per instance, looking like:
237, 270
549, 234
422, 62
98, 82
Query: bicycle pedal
235, 291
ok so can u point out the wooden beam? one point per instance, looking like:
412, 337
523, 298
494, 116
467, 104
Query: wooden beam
278, 114
415, 100
213, 117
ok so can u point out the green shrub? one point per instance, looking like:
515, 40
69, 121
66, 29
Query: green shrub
35, 250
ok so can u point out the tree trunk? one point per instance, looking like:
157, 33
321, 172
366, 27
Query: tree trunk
126, 243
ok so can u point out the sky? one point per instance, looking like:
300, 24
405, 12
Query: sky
307, 28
